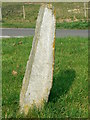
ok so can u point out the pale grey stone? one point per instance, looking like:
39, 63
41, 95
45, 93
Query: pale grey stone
38, 77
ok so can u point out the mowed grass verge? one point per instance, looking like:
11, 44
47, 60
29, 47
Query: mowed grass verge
69, 94
68, 15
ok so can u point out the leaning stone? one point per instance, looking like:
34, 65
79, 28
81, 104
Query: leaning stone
38, 77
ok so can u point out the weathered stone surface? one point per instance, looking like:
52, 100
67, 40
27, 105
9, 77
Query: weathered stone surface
38, 77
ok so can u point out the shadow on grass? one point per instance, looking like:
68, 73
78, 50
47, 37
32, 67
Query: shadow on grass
61, 84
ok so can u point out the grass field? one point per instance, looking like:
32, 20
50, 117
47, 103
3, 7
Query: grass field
69, 94
68, 15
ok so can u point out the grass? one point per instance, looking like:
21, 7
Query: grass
69, 94
64, 25
68, 15
73, 25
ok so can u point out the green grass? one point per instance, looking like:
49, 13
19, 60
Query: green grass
64, 25
13, 17
69, 94
73, 25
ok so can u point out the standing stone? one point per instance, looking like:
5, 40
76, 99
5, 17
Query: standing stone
38, 77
